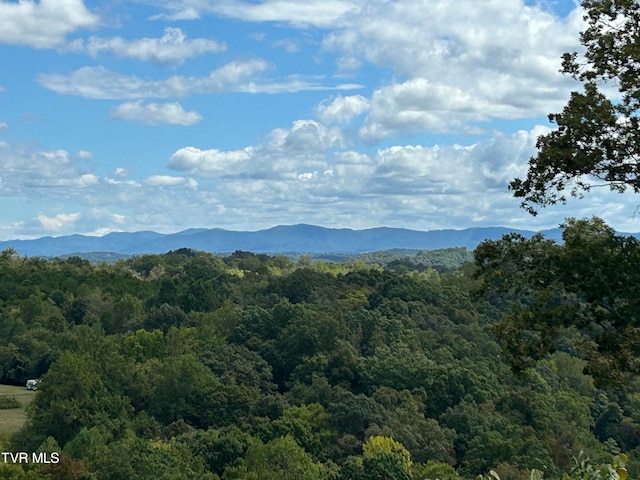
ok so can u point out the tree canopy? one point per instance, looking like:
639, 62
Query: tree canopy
308, 370
583, 291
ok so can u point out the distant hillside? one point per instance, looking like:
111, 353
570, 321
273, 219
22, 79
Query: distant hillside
292, 238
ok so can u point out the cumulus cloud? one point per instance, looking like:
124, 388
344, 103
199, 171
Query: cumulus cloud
342, 109
173, 48
483, 168
85, 180
512, 49
421, 105
156, 113
287, 151
430, 106
213, 162
169, 181
422, 38
318, 156
85, 222
306, 136
58, 222
43, 24
318, 13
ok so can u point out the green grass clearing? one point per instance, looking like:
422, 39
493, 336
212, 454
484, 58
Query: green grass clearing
12, 419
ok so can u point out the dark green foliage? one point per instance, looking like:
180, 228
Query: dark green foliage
583, 292
305, 285
7, 403
164, 317
219, 448
75, 393
280, 459
441, 260
185, 365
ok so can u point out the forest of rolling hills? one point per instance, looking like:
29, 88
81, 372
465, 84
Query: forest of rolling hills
186, 365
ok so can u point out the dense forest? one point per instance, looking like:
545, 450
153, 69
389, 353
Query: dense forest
190, 366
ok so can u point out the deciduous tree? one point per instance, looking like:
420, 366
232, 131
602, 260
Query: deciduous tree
597, 141
587, 286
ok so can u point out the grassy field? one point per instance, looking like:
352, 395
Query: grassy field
12, 419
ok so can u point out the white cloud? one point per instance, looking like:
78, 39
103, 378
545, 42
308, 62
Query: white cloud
101, 232
498, 60
307, 176
113, 181
304, 154
85, 180
53, 180
156, 113
85, 222
58, 222
306, 136
342, 109
295, 83
43, 24
237, 76
169, 181
173, 48
425, 38
98, 82
484, 168
212, 162
286, 153
4, 125
319, 13
420, 105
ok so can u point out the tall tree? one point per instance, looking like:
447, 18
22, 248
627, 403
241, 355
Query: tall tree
584, 291
597, 142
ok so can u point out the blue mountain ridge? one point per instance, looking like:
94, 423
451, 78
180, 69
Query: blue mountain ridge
301, 238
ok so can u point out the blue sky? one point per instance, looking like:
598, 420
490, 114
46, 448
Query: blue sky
167, 115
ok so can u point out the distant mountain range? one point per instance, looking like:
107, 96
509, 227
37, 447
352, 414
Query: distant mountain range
281, 239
